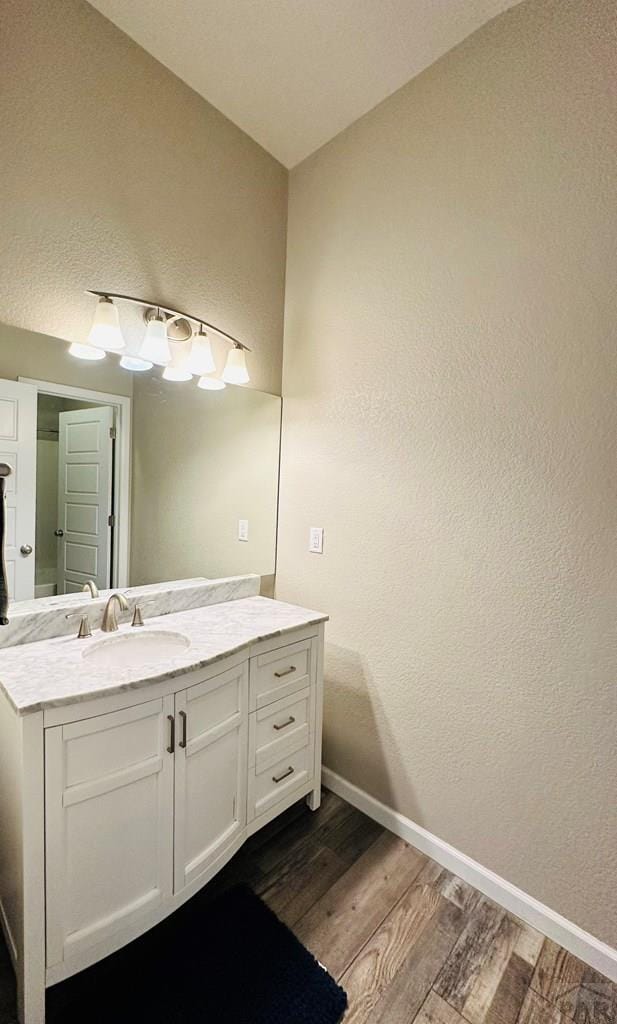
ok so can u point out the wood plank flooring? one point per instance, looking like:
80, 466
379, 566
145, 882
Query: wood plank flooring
409, 942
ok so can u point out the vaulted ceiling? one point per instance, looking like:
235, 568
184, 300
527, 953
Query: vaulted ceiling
294, 73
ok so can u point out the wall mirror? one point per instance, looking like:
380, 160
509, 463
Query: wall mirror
126, 479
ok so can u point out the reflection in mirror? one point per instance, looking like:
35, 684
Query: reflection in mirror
121, 479
75, 451
205, 475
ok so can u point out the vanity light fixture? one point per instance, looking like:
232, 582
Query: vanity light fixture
170, 341
105, 332
85, 351
235, 371
131, 359
135, 364
178, 368
155, 346
201, 360
211, 384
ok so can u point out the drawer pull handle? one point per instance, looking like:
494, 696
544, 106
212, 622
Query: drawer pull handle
279, 778
182, 742
285, 672
283, 725
172, 734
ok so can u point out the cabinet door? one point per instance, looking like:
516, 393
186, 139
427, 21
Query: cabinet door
109, 828
211, 772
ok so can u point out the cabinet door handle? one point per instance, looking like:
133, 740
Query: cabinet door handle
283, 725
182, 742
285, 672
172, 734
279, 778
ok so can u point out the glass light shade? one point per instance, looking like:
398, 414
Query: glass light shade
210, 384
178, 368
201, 360
131, 359
105, 332
235, 371
85, 351
135, 364
155, 346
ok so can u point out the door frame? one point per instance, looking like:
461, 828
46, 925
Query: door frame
122, 406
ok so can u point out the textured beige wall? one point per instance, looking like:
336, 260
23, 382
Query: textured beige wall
114, 174
202, 460
450, 419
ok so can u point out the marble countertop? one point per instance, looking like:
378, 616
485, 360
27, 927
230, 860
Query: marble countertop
54, 672
46, 617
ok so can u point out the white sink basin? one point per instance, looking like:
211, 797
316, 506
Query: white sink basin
133, 649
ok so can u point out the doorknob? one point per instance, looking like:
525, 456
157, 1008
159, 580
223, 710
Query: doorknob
58, 533
26, 549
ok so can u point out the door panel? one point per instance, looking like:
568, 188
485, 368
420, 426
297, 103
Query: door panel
109, 826
210, 807
210, 782
8, 418
85, 475
18, 449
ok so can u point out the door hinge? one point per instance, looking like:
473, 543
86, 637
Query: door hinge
111, 520
112, 433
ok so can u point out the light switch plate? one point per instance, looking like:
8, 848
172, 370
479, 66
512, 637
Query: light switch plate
243, 529
316, 540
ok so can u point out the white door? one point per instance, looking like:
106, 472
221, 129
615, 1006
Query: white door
85, 478
211, 772
109, 828
18, 449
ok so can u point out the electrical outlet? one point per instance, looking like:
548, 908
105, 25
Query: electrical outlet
243, 529
316, 540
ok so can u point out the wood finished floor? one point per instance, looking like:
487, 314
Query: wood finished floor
409, 942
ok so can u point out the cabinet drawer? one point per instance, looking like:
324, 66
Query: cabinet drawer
281, 728
281, 672
276, 782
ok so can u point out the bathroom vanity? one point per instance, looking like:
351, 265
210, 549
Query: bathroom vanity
134, 765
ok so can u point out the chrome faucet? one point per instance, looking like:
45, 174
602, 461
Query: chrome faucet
110, 622
91, 586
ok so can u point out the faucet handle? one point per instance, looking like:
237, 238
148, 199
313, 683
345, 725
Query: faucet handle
84, 625
138, 619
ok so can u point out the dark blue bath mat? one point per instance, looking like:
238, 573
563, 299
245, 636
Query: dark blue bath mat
230, 961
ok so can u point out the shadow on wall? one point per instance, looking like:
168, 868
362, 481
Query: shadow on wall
366, 729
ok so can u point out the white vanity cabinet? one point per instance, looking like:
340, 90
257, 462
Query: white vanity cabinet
109, 802
119, 808
138, 804
210, 772
282, 723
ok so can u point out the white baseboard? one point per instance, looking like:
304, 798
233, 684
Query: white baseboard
583, 945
